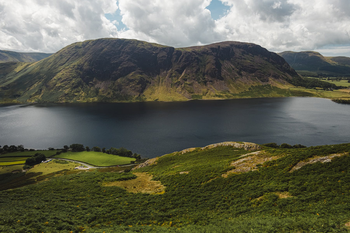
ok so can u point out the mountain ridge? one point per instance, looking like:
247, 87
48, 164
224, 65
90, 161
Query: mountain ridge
131, 70
314, 63
11, 56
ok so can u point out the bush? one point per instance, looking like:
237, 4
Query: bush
285, 145
26, 167
36, 159
273, 145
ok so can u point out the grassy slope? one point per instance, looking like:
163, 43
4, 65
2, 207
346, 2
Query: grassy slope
199, 200
9, 169
96, 158
47, 153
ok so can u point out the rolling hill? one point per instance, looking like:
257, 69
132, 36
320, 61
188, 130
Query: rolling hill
9, 56
130, 70
311, 63
224, 187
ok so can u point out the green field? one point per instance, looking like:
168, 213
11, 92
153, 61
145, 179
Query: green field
343, 83
9, 169
12, 163
47, 153
96, 158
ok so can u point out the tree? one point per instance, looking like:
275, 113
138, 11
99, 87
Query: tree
96, 149
273, 145
285, 145
87, 148
20, 147
12, 148
136, 156
77, 147
104, 150
36, 159
5, 148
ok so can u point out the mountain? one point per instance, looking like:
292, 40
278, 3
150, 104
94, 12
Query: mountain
9, 56
131, 70
314, 64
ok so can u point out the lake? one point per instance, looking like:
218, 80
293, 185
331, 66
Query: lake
156, 128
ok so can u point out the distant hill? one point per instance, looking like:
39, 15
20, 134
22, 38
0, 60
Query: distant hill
9, 56
131, 70
314, 64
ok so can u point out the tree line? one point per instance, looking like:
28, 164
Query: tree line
113, 151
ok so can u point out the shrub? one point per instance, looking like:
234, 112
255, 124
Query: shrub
273, 145
285, 145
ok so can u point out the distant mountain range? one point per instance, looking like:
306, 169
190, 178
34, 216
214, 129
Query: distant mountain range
311, 63
130, 70
9, 56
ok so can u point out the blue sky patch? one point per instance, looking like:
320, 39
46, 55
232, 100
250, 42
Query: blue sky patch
117, 16
217, 9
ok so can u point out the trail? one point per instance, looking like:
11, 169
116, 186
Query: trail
91, 166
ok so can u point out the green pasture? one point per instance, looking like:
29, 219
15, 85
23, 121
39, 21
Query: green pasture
12, 163
301, 91
9, 169
96, 158
343, 83
47, 153
8, 161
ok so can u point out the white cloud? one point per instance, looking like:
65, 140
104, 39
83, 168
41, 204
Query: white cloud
288, 25
175, 23
47, 26
41, 25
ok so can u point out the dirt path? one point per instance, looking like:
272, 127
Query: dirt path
91, 166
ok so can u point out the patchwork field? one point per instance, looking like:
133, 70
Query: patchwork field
47, 153
96, 158
8, 161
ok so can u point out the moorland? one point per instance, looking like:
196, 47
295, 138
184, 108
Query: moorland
226, 187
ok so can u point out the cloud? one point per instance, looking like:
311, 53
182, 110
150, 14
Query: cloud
47, 26
287, 25
176, 23
278, 25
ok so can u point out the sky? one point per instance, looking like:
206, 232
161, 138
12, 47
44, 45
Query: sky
278, 25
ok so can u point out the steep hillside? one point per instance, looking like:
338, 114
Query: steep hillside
9, 56
131, 70
315, 64
225, 187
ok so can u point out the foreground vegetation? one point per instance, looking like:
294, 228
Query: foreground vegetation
220, 189
96, 158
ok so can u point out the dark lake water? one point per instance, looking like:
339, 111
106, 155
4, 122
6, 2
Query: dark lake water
154, 129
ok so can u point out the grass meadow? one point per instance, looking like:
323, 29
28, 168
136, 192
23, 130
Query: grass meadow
96, 158
47, 153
